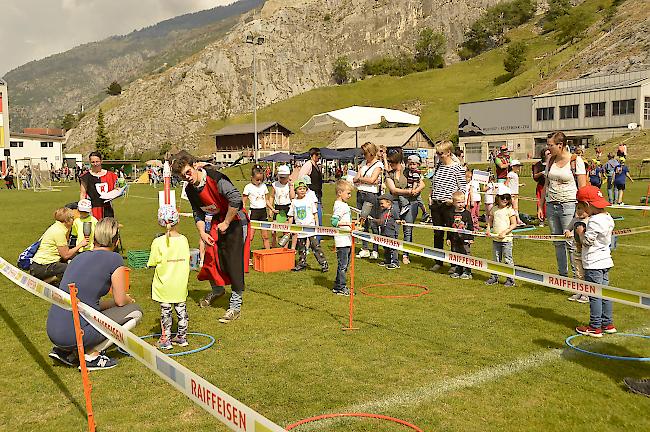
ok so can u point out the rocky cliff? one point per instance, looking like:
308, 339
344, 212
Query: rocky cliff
303, 39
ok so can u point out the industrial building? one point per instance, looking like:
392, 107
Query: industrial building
588, 110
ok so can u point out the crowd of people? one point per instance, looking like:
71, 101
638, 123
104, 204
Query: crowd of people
389, 195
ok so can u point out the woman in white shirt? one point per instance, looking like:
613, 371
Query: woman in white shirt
565, 173
367, 182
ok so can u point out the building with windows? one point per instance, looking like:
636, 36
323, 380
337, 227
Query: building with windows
587, 110
412, 140
4, 115
238, 141
24, 148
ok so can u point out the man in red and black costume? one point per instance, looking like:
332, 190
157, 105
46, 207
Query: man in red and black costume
95, 182
223, 226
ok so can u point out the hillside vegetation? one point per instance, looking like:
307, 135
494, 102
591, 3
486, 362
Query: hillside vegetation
435, 94
43, 91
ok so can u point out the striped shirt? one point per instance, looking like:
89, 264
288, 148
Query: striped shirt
448, 179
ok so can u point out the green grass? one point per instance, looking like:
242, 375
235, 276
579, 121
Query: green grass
435, 93
288, 359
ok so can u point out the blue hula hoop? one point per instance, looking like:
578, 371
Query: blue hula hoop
607, 356
182, 353
524, 228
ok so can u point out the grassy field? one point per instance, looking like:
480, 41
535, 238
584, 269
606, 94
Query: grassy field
465, 357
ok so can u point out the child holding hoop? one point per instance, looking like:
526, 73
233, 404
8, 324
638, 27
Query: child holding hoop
501, 221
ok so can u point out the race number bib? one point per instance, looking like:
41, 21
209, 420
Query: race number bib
102, 188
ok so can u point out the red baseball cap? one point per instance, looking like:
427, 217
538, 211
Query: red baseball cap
592, 195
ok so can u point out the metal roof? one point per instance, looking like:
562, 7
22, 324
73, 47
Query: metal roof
389, 137
596, 87
247, 128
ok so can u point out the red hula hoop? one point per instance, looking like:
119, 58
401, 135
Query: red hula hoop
363, 415
424, 291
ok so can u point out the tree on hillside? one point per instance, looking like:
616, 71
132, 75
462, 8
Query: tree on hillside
342, 70
102, 142
114, 89
573, 26
557, 8
69, 121
430, 48
515, 57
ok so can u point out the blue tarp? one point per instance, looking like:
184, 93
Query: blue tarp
277, 157
330, 154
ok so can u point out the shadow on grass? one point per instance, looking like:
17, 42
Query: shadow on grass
39, 359
197, 295
502, 79
616, 370
547, 314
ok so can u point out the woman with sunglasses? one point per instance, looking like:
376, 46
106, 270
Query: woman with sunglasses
565, 173
448, 177
367, 182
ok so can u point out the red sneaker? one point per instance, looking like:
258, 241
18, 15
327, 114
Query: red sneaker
590, 331
609, 329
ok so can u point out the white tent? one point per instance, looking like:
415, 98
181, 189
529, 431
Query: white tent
356, 118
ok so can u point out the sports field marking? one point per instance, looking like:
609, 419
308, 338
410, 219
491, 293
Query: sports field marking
439, 389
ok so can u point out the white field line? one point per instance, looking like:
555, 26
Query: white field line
439, 389
634, 246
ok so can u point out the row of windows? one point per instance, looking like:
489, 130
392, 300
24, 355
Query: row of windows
597, 109
15, 143
47, 144
44, 144
646, 109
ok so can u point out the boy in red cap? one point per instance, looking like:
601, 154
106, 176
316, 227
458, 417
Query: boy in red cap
597, 259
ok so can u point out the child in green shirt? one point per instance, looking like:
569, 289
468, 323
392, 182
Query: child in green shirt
84, 225
170, 254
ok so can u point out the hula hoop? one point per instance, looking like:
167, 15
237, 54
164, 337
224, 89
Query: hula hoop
424, 291
617, 218
569, 342
361, 415
182, 353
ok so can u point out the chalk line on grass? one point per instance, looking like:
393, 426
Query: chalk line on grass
440, 389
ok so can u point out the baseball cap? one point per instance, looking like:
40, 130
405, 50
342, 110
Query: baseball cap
84, 205
503, 190
592, 195
167, 214
413, 158
300, 183
283, 170
504, 147
621, 159
515, 162
386, 196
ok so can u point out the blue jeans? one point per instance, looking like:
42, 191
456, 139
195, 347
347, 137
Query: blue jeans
414, 208
611, 190
363, 196
236, 297
600, 311
502, 252
343, 257
559, 216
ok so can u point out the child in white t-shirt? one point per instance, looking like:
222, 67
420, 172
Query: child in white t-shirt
597, 260
473, 198
342, 218
500, 223
490, 191
304, 211
512, 181
255, 194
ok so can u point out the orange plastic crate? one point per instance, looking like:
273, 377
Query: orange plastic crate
274, 260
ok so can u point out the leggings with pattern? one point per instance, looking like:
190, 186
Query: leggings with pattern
166, 319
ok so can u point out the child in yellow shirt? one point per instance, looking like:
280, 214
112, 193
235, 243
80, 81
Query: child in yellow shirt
84, 225
170, 254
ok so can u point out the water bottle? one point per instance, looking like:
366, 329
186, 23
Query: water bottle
208, 223
284, 240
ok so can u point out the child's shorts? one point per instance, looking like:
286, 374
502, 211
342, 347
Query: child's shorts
259, 214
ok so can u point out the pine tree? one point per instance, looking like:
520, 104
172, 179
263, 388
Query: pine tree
515, 57
102, 142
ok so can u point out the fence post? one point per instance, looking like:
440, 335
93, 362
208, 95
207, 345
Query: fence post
82, 357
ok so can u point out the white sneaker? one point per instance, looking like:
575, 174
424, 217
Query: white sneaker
374, 255
574, 297
582, 299
363, 253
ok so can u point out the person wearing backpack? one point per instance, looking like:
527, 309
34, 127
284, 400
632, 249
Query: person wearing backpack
565, 173
53, 251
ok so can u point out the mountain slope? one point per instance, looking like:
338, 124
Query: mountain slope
43, 91
304, 37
